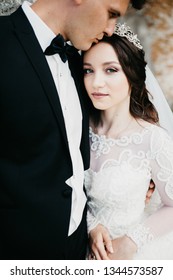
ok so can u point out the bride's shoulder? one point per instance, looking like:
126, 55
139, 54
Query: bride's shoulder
155, 131
151, 126
159, 137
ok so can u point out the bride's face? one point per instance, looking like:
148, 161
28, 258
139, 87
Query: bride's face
105, 81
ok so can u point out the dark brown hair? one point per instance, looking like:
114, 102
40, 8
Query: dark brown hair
138, 4
132, 60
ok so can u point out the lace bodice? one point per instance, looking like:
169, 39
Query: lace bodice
119, 177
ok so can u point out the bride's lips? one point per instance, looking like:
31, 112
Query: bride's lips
98, 95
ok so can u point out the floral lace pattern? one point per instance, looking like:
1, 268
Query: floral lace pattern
118, 180
140, 235
102, 145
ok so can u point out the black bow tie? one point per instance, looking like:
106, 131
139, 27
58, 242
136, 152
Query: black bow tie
58, 45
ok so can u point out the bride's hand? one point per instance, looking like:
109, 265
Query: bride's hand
100, 243
124, 249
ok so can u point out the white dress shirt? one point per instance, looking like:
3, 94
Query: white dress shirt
71, 109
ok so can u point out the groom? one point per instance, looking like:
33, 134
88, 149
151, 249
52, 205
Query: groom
44, 147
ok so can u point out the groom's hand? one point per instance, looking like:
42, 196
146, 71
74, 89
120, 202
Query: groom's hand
150, 191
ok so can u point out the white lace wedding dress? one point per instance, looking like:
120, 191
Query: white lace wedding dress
117, 183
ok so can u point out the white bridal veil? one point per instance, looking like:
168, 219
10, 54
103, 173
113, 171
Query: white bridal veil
160, 103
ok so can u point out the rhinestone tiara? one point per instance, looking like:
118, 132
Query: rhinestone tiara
123, 30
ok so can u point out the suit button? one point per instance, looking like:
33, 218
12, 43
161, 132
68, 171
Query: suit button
67, 193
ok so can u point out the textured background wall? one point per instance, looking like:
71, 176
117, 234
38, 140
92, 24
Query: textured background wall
159, 20
9, 6
154, 26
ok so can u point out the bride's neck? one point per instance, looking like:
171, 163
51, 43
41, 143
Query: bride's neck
112, 125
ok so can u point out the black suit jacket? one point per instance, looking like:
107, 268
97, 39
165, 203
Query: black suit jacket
35, 162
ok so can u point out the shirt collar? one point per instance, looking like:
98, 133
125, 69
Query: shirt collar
43, 33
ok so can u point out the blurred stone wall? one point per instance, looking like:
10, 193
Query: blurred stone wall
9, 6
160, 24
154, 26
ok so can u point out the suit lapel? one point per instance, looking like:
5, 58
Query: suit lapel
29, 42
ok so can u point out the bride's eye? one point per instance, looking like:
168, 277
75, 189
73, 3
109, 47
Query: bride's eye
111, 70
87, 71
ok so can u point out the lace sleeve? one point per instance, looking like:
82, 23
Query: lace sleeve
91, 219
92, 222
161, 221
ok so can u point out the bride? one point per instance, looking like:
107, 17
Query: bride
130, 146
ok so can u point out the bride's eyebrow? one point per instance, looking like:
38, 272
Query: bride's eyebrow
111, 62
87, 64
105, 63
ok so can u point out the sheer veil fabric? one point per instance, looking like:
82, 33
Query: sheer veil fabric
160, 103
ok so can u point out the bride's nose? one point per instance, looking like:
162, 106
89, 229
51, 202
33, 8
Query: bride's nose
98, 80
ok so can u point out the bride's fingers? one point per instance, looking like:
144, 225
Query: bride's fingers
101, 253
108, 243
97, 256
92, 256
99, 237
